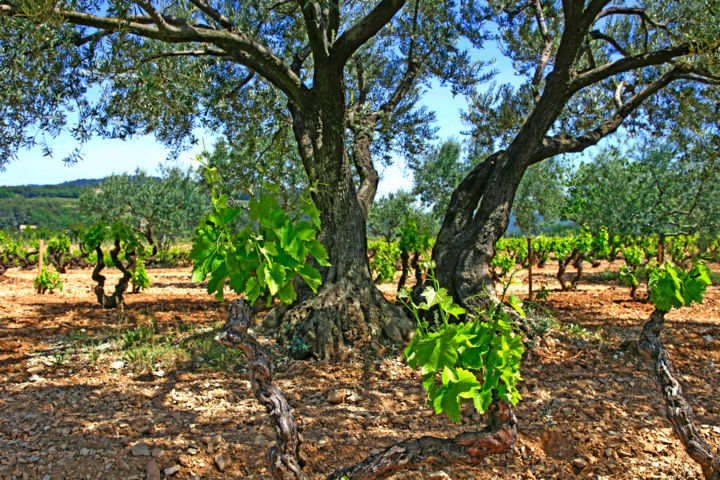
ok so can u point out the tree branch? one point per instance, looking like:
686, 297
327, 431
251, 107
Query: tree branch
354, 37
221, 19
626, 64
546, 51
558, 144
245, 50
597, 35
316, 28
640, 12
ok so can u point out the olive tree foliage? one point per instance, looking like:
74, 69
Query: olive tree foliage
161, 209
388, 213
589, 67
540, 197
437, 173
656, 188
246, 167
344, 75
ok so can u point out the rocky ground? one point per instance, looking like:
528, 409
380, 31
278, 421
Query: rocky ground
89, 393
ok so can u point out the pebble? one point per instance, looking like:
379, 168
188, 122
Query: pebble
439, 475
140, 449
169, 471
152, 470
221, 461
579, 463
353, 398
158, 452
336, 396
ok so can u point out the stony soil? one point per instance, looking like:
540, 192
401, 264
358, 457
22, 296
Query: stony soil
591, 407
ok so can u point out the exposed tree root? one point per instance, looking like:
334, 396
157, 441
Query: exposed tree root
341, 317
679, 411
469, 448
286, 459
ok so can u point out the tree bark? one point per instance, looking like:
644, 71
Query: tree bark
116, 299
285, 455
465, 244
348, 311
679, 411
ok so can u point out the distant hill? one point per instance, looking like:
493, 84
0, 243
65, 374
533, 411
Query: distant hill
54, 207
69, 189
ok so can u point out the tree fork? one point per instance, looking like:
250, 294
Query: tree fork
679, 411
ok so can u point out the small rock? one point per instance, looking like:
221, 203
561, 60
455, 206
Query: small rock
549, 342
35, 369
439, 475
579, 463
707, 338
170, 471
184, 460
353, 398
192, 451
158, 452
117, 365
140, 449
336, 396
36, 378
609, 453
84, 451
217, 439
221, 461
152, 470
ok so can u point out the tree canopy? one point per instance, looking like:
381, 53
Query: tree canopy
663, 188
159, 209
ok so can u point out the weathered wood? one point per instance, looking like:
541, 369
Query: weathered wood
468, 448
678, 411
116, 299
285, 456
41, 252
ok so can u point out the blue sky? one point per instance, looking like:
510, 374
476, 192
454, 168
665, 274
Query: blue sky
102, 157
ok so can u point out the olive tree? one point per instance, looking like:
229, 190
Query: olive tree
344, 76
589, 68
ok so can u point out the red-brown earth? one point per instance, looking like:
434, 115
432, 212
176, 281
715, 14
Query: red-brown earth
76, 398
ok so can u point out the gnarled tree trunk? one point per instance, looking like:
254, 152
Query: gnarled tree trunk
348, 310
465, 245
116, 299
679, 411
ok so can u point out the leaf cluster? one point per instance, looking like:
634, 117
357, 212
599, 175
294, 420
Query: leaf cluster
477, 360
264, 256
671, 287
47, 280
